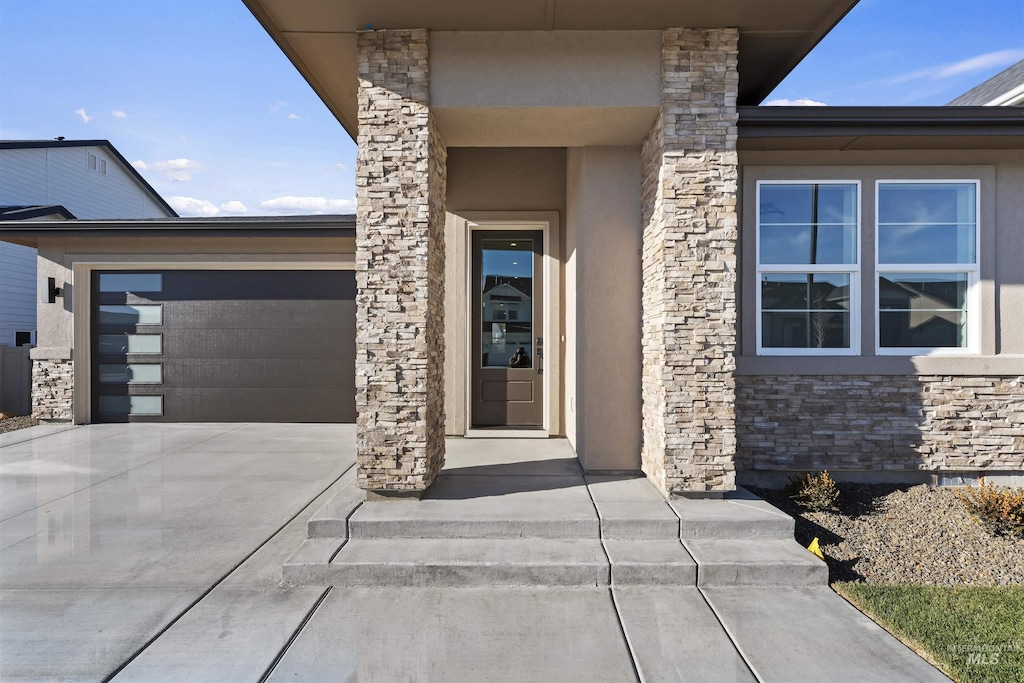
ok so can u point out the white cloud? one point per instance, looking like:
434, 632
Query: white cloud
293, 205
294, 117
189, 206
989, 60
179, 170
801, 102
85, 117
118, 114
342, 167
278, 106
234, 206
981, 63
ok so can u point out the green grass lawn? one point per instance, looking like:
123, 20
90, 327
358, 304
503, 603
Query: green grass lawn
973, 633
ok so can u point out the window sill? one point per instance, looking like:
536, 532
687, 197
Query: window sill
979, 365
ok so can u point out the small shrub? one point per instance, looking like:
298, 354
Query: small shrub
816, 492
999, 510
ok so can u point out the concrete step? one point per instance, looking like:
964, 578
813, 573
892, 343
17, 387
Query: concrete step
748, 562
331, 520
469, 562
310, 564
638, 521
651, 563
460, 519
740, 515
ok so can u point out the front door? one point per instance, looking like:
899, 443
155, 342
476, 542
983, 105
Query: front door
507, 353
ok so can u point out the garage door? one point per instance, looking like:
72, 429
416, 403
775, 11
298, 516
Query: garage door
223, 346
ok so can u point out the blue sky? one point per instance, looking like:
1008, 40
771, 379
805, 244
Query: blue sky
218, 120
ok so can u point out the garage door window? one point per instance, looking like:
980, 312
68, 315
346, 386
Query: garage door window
131, 373
131, 282
117, 344
131, 405
131, 315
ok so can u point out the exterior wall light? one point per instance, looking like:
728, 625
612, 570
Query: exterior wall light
52, 291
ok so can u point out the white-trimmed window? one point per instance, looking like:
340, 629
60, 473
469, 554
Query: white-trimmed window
808, 268
926, 261
97, 164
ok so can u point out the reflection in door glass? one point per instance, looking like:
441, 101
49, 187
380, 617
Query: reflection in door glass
506, 281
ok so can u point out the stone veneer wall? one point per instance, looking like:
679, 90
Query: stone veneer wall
874, 422
689, 266
400, 190
53, 389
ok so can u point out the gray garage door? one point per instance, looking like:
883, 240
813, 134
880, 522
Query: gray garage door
223, 346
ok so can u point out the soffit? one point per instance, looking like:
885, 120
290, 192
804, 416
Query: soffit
319, 35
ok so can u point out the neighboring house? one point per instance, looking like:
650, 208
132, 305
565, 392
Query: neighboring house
1005, 89
59, 180
716, 291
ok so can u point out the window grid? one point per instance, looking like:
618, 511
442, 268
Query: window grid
851, 270
972, 303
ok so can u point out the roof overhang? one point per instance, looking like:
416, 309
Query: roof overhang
880, 128
30, 213
319, 36
29, 233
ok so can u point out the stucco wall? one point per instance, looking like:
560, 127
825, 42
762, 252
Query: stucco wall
603, 283
506, 182
545, 88
1001, 256
545, 68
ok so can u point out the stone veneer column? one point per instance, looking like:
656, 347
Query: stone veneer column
400, 190
689, 266
53, 380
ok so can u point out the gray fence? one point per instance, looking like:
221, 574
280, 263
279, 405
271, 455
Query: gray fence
15, 380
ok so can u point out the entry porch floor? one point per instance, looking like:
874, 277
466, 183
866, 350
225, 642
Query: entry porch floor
154, 552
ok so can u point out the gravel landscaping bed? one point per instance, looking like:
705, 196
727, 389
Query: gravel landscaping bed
903, 535
9, 424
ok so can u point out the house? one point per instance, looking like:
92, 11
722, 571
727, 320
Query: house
59, 180
707, 291
1005, 89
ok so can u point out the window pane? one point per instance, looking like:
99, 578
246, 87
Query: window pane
808, 223
131, 282
134, 373
808, 203
927, 223
130, 343
805, 291
922, 291
130, 315
927, 202
506, 337
805, 244
909, 243
922, 329
131, 405
805, 330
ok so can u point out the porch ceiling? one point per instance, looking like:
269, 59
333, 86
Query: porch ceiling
318, 36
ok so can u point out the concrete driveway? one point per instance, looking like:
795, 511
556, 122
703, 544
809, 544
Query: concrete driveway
154, 552
109, 533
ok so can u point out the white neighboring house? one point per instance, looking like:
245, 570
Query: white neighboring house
55, 180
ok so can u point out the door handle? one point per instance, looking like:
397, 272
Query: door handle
540, 355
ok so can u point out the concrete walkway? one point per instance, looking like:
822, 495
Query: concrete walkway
154, 553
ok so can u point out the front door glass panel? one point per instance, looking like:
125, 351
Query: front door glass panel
506, 303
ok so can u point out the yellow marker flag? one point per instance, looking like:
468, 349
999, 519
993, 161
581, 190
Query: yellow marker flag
815, 548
